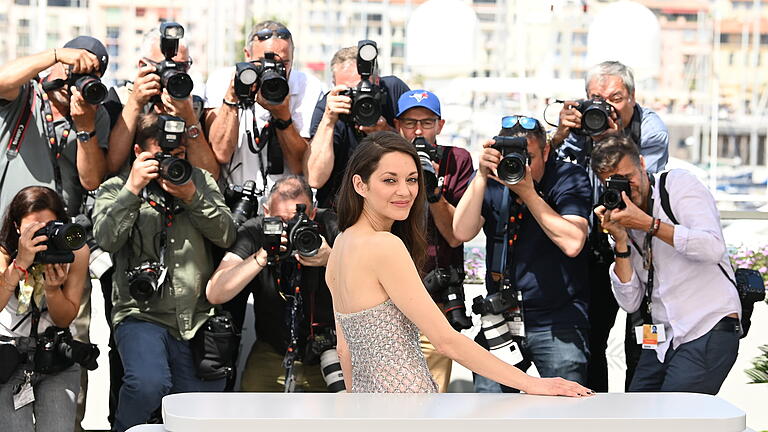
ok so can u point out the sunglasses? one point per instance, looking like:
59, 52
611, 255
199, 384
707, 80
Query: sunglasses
264, 34
527, 123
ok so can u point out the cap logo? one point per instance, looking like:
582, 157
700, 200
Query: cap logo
420, 96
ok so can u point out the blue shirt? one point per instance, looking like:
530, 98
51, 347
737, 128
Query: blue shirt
554, 286
654, 143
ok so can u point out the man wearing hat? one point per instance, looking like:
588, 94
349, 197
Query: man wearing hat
51, 136
419, 120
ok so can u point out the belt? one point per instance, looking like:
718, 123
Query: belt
728, 324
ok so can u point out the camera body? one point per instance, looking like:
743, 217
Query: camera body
172, 76
595, 113
446, 286
63, 238
367, 97
242, 200
611, 198
145, 280
428, 154
266, 75
514, 158
175, 170
90, 86
56, 350
303, 235
496, 310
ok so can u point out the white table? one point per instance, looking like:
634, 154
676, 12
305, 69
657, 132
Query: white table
453, 412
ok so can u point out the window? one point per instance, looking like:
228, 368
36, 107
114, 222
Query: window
140, 11
113, 50
23, 23
113, 32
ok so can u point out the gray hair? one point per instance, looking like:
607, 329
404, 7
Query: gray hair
612, 68
291, 186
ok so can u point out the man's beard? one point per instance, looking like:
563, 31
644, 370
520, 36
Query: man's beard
60, 97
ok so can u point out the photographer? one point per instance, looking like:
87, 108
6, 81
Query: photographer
546, 262
690, 330
147, 92
333, 141
36, 296
159, 220
612, 84
448, 171
240, 130
249, 266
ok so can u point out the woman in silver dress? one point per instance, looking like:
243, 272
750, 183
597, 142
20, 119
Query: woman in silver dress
378, 296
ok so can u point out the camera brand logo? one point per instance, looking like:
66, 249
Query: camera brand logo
420, 96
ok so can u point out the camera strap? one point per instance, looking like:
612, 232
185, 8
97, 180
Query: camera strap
504, 239
19, 131
295, 310
53, 142
257, 141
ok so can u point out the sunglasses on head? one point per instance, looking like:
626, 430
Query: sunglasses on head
527, 123
264, 34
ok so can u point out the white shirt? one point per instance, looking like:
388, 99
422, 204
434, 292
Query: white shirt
9, 319
305, 91
690, 293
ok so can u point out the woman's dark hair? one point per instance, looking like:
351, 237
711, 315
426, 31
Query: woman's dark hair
29, 200
364, 161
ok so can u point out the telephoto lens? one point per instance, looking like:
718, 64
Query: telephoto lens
330, 366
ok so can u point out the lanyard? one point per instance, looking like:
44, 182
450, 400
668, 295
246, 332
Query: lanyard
647, 253
53, 141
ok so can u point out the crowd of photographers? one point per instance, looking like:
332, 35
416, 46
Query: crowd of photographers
184, 205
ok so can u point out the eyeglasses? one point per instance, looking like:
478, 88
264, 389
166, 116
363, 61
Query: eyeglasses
409, 123
265, 33
527, 123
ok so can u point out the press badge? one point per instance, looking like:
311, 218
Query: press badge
24, 394
649, 335
516, 323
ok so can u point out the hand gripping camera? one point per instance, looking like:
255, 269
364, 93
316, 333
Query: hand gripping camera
614, 186
428, 154
63, 238
267, 75
242, 200
367, 97
514, 158
175, 170
172, 76
303, 235
446, 285
595, 113
56, 350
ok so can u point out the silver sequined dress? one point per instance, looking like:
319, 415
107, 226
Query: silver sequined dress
384, 346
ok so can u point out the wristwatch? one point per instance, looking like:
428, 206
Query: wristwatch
622, 254
282, 124
85, 136
193, 131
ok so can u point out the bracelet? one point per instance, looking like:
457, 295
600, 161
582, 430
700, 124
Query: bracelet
654, 227
618, 254
24, 271
226, 102
256, 258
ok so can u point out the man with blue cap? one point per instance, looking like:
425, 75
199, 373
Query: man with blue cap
447, 172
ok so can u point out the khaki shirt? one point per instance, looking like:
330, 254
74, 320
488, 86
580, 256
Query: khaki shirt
129, 227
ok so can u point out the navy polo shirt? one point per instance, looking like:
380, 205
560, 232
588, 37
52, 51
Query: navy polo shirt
554, 286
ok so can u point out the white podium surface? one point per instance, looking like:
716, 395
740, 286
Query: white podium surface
452, 412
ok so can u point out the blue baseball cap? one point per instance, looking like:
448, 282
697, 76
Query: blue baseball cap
418, 98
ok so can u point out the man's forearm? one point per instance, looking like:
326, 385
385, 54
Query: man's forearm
442, 213
227, 282
18, 72
201, 155
121, 137
623, 266
224, 132
467, 218
91, 163
319, 157
294, 146
566, 234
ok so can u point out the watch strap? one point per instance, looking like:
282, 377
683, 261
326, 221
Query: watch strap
282, 124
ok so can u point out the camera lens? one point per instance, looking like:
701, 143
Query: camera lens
143, 286
612, 199
511, 169
66, 236
274, 87
594, 121
175, 170
495, 330
179, 84
306, 241
366, 110
331, 370
93, 91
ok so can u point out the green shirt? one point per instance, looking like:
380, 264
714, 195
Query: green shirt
128, 226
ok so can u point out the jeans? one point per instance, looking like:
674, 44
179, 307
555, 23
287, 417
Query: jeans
556, 353
156, 364
698, 366
54, 406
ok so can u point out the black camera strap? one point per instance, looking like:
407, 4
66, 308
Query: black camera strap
256, 141
53, 142
504, 239
295, 311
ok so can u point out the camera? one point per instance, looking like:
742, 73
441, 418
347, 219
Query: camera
595, 113
367, 97
175, 170
303, 235
99, 261
56, 350
172, 76
514, 158
242, 200
446, 285
321, 348
90, 86
144, 280
493, 309
428, 154
614, 185
267, 75
749, 285
63, 238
